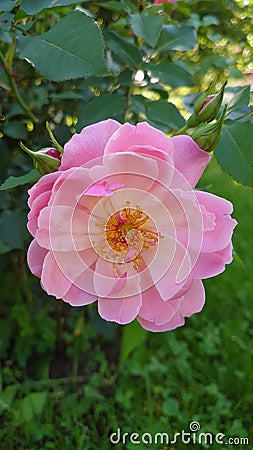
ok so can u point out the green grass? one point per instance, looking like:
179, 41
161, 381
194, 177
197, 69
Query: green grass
62, 385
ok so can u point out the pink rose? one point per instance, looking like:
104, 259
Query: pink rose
121, 223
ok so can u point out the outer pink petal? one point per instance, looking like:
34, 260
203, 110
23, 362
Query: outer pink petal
218, 238
89, 144
176, 321
53, 280
189, 159
44, 184
121, 311
77, 297
194, 300
35, 258
154, 309
211, 264
38, 204
189, 304
142, 134
213, 203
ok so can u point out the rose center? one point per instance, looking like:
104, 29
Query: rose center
127, 232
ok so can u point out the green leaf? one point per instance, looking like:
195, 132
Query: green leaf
6, 21
7, 5
171, 407
73, 48
133, 335
119, 6
12, 182
7, 396
13, 228
123, 48
237, 97
147, 27
33, 7
210, 20
234, 152
38, 401
164, 115
100, 108
30, 406
15, 130
177, 37
171, 74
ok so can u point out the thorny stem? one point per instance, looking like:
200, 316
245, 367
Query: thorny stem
15, 91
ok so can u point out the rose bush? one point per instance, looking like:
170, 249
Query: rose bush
120, 222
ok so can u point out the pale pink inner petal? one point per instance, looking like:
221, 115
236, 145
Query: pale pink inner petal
170, 268
73, 264
69, 186
110, 279
62, 228
136, 171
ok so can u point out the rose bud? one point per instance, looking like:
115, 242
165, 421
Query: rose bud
207, 106
207, 136
45, 160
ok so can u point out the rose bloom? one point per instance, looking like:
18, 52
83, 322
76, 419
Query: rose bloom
121, 223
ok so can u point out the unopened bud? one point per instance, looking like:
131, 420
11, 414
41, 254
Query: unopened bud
207, 106
45, 160
207, 136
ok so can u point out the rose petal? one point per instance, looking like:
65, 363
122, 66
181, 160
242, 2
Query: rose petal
219, 237
35, 258
189, 159
52, 279
141, 134
194, 300
38, 204
89, 144
44, 184
62, 228
211, 264
120, 310
77, 297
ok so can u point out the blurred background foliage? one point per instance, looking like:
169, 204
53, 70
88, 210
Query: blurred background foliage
69, 379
